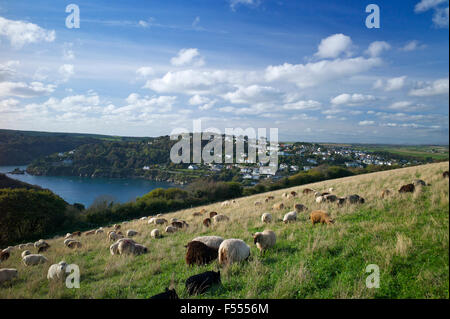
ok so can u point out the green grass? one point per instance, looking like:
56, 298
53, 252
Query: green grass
407, 236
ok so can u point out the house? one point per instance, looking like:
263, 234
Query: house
192, 167
146, 168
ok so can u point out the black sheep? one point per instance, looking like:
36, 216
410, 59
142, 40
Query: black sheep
200, 283
4, 255
198, 253
408, 188
168, 294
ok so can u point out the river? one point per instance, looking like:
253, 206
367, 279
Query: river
85, 190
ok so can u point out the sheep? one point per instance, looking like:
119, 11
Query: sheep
320, 216
114, 248
445, 174
199, 254
25, 253
284, 195
342, 201
355, 199
7, 274
220, 218
419, 182
266, 218
233, 250
41, 245
160, 221
99, 231
203, 211
34, 259
151, 220
77, 233
180, 224
159, 215
167, 294
143, 218
225, 204
207, 222
320, 199
308, 191
290, 217
258, 203
128, 246
212, 214
330, 198
331, 189
293, 193
170, 229
195, 214
279, 206
269, 198
22, 246
68, 235
386, 193
131, 233
200, 283
155, 233
408, 188
112, 235
300, 208
57, 271
4, 255
173, 220
116, 226
74, 244
264, 240
210, 241
90, 232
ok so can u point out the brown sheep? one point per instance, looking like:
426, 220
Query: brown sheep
199, 254
293, 193
207, 222
74, 244
408, 188
445, 174
197, 214
180, 224
203, 211
212, 214
4, 255
319, 216
308, 191
278, 206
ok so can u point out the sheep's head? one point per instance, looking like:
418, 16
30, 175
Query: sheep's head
257, 237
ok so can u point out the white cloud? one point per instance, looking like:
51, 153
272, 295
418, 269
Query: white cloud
437, 87
66, 71
412, 46
351, 99
375, 48
188, 57
196, 22
143, 24
145, 71
8, 105
204, 102
20, 33
22, 89
334, 46
366, 123
7, 70
312, 74
440, 15
426, 5
392, 84
235, 3
303, 105
441, 18
252, 94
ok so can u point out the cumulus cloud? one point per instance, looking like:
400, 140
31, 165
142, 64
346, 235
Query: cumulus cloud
334, 45
351, 99
8, 70
392, 84
8, 105
20, 33
66, 71
303, 105
188, 57
203, 102
440, 15
145, 71
426, 5
412, 46
366, 123
25, 90
437, 87
252, 94
377, 47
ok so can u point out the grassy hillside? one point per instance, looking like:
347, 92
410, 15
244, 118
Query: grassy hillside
406, 235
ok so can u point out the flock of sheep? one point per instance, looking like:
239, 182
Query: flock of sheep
200, 250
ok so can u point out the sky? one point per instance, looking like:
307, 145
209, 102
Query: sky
312, 69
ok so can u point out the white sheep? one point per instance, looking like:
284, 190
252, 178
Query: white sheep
266, 218
155, 233
225, 204
220, 218
264, 240
151, 220
290, 217
143, 218
112, 235
7, 274
25, 253
34, 259
40, 243
210, 241
171, 229
99, 231
160, 221
320, 199
68, 235
74, 244
22, 246
131, 247
57, 271
233, 250
114, 248
131, 233
174, 220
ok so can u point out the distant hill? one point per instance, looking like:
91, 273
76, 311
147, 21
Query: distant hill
6, 182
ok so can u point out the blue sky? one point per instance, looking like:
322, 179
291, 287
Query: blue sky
310, 68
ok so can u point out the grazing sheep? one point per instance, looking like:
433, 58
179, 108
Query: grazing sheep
212, 214
200, 283
131, 233
293, 193
128, 246
90, 232
290, 217
77, 233
331, 189
167, 294
269, 198
233, 250
41, 245
160, 221
99, 231
199, 254
34, 259
320, 199
7, 274
308, 191
266, 218
386, 193
284, 195
143, 218
114, 248
22, 246
279, 206
155, 233
225, 204
68, 235
57, 271
408, 188
210, 241
113, 236
445, 174
170, 229
74, 244
116, 226
207, 222
342, 201
220, 218
319, 216
264, 240
180, 224
25, 253
4, 255
258, 203
300, 208
355, 199
419, 182
173, 220
330, 198
151, 220
195, 214
203, 211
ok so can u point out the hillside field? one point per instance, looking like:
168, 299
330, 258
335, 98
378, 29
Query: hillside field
406, 235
